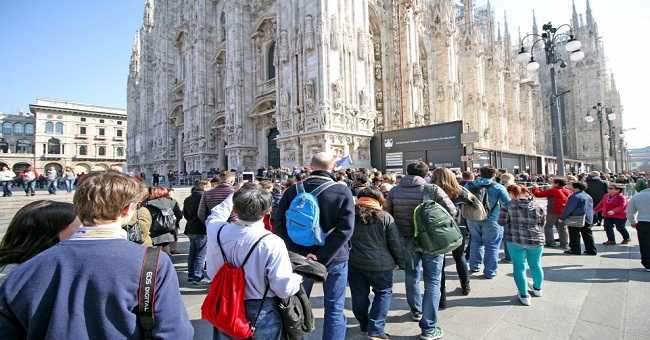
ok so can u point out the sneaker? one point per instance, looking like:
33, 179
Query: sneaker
379, 337
505, 261
525, 300
571, 252
474, 270
488, 277
415, 316
610, 243
434, 334
535, 292
626, 241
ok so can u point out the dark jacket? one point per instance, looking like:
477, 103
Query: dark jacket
336, 216
194, 224
404, 198
376, 246
580, 204
596, 188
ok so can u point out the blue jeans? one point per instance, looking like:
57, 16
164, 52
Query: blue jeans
6, 188
196, 258
335, 324
30, 187
484, 248
69, 185
382, 286
521, 255
51, 186
268, 326
431, 272
619, 223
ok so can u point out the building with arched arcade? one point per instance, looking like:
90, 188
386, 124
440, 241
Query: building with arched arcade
64, 134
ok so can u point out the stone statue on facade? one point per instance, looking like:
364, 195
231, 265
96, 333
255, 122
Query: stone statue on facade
284, 46
309, 33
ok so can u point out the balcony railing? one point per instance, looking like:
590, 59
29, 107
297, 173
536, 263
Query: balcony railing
266, 87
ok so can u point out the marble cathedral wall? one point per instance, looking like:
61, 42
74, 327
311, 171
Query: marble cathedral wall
249, 84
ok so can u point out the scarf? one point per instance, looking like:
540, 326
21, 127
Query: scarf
369, 202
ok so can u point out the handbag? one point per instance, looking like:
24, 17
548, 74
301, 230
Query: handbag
134, 232
577, 221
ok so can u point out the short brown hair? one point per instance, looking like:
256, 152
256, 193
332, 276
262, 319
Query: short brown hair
158, 192
102, 195
227, 176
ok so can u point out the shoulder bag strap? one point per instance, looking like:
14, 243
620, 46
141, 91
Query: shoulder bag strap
319, 190
266, 290
300, 188
147, 291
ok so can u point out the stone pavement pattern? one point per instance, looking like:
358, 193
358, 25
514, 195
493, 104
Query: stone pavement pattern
585, 297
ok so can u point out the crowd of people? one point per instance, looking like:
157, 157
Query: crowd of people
29, 180
82, 270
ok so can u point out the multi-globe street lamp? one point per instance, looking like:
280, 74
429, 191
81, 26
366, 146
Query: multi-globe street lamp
598, 108
550, 39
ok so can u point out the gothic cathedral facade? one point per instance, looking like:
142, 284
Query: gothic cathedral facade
245, 84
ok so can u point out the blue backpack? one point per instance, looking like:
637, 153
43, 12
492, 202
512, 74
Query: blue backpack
303, 216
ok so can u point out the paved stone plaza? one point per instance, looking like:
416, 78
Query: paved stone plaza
585, 297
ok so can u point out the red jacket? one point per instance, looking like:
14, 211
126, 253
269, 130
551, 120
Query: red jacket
557, 198
616, 203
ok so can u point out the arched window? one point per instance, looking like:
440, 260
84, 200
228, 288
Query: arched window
270, 62
101, 151
49, 127
4, 146
119, 152
29, 129
24, 146
222, 24
18, 129
6, 128
83, 150
54, 146
59, 128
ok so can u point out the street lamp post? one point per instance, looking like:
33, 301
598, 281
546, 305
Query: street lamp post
550, 39
611, 116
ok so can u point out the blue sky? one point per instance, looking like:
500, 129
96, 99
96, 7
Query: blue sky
79, 49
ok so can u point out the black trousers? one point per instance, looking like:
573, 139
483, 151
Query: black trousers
461, 269
643, 232
587, 238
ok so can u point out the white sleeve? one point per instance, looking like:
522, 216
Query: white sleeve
221, 212
282, 281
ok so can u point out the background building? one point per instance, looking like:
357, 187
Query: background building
61, 134
17, 140
639, 159
249, 84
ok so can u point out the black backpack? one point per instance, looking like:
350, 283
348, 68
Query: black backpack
481, 193
163, 221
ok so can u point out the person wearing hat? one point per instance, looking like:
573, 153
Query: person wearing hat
613, 207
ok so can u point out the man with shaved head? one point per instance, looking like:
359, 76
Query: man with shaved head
336, 206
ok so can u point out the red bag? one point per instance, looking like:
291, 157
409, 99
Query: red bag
224, 305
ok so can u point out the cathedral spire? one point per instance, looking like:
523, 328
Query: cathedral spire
490, 23
147, 21
535, 28
469, 14
590, 17
507, 43
574, 18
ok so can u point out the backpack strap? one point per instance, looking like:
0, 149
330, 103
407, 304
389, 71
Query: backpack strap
147, 291
319, 190
225, 259
300, 188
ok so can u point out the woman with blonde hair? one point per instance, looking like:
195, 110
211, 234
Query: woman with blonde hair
447, 181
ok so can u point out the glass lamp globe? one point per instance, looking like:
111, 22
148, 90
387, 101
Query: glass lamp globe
523, 56
611, 116
573, 45
589, 119
577, 56
532, 66
606, 136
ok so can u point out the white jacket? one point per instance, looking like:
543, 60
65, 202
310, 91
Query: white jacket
7, 175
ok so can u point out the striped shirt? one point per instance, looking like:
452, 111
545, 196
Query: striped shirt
212, 198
